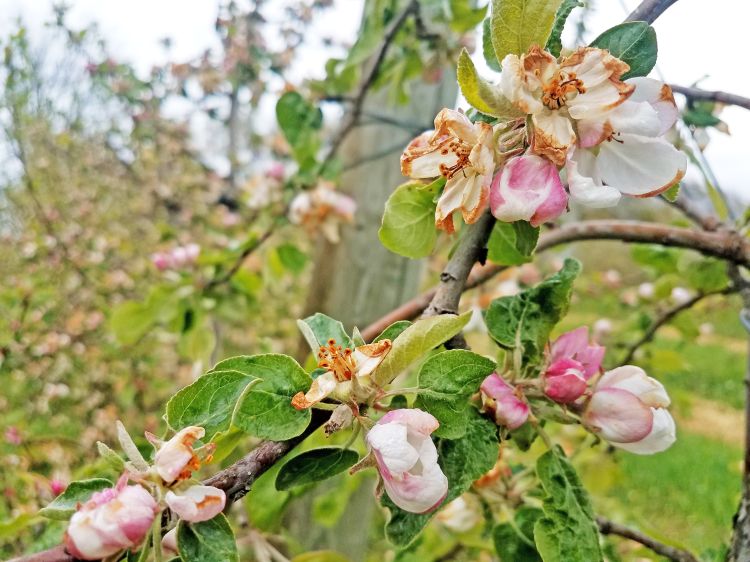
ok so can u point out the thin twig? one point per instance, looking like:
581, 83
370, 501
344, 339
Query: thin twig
649, 10
607, 527
712, 95
367, 81
221, 279
667, 316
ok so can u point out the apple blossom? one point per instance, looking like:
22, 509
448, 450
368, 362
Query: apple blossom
408, 460
572, 362
628, 409
500, 398
176, 459
461, 515
169, 543
556, 95
112, 520
528, 188
342, 364
322, 208
57, 486
463, 153
197, 503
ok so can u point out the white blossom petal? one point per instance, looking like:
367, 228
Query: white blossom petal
662, 436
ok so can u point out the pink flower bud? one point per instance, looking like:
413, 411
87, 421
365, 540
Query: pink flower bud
408, 460
176, 459
161, 261
112, 520
13, 435
572, 362
499, 398
528, 188
197, 503
276, 171
628, 409
564, 381
192, 251
169, 543
57, 486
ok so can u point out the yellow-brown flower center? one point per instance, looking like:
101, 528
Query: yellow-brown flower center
557, 90
338, 360
462, 151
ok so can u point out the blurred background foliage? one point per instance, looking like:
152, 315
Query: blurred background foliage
100, 176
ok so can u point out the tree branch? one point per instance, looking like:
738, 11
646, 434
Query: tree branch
369, 78
712, 95
667, 316
607, 527
649, 10
723, 244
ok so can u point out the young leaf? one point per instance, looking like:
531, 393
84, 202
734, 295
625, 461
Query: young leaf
319, 328
209, 401
292, 258
419, 338
315, 465
632, 42
446, 382
296, 116
567, 532
463, 461
487, 49
208, 541
130, 320
408, 227
515, 542
266, 410
528, 318
64, 505
481, 94
516, 25
512, 243
672, 193
393, 331
554, 43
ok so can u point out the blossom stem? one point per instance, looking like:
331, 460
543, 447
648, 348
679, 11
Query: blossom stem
355, 433
156, 539
325, 406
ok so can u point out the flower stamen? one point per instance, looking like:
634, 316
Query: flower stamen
338, 360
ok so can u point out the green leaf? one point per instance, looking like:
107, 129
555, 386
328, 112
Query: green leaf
699, 117
481, 94
416, 340
487, 49
408, 226
266, 411
12, 527
314, 466
210, 401
296, 115
446, 382
319, 328
320, 556
463, 461
554, 43
64, 505
528, 318
512, 243
632, 42
464, 16
515, 543
198, 342
567, 532
516, 25
292, 258
207, 541
130, 321
393, 331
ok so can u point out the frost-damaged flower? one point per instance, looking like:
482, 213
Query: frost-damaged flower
408, 460
528, 188
112, 520
572, 362
176, 459
322, 208
556, 95
197, 503
622, 151
500, 398
463, 153
628, 409
341, 365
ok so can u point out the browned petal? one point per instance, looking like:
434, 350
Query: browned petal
536, 60
612, 64
665, 94
545, 145
416, 148
300, 402
376, 349
446, 224
678, 176
472, 215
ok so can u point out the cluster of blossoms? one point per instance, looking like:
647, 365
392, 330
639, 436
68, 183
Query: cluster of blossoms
574, 115
176, 258
120, 518
322, 209
624, 406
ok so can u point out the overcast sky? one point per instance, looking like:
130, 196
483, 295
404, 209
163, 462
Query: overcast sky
696, 39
